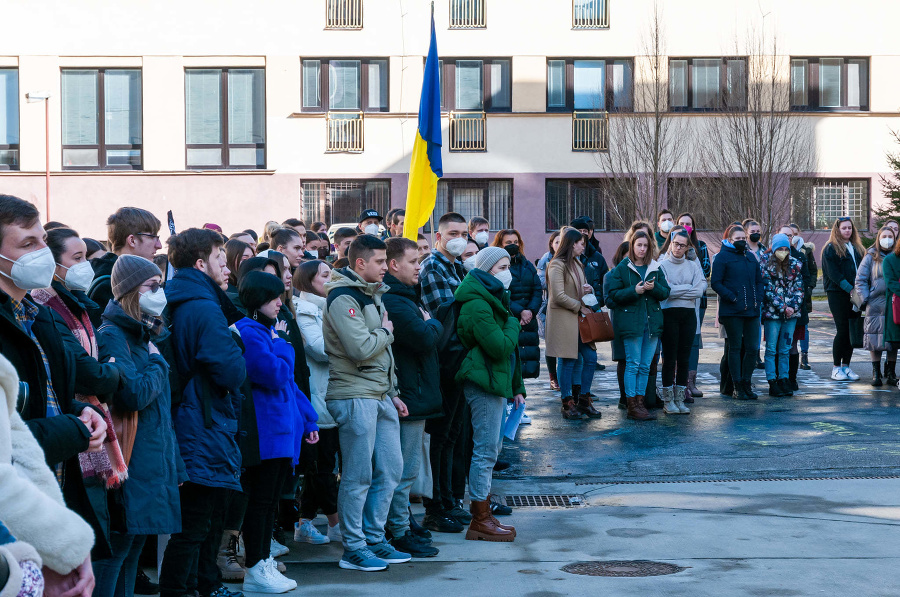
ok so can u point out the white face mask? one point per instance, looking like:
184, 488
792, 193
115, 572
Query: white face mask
505, 277
32, 270
469, 264
798, 242
372, 229
886, 242
667, 225
79, 276
589, 300
153, 303
456, 246
481, 238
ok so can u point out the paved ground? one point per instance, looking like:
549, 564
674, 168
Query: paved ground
704, 508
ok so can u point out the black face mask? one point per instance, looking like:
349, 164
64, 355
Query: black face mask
513, 250
740, 245
322, 253
755, 237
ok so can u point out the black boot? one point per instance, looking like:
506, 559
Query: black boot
793, 365
576, 391
748, 389
775, 389
876, 374
785, 386
804, 361
739, 392
890, 375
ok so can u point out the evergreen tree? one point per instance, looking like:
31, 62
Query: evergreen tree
890, 210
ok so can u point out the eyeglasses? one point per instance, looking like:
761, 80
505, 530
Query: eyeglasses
679, 245
154, 286
155, 237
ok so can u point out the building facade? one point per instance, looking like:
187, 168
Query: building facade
238, 113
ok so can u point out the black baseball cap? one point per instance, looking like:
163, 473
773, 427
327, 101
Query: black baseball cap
369, 213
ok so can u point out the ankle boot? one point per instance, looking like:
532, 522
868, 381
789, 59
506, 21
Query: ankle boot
890, 375
748, 389
775, 389
585, 406
876, 374
686, 395
804, 361
569, 411
636, 410
554, 384
680, 397
793, 365
484, 526
669, 401
623, 404
692, 385
785, 386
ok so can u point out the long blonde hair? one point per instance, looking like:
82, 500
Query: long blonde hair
878, 257
837, 241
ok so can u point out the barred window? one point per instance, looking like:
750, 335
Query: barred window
341, 201
816, 204
489, 199
567, 199
713, 202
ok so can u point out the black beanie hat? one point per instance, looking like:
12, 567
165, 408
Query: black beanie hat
258, 288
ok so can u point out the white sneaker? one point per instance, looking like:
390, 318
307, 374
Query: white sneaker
334, 533
304, 531
264, 578
526, 420
850, 374
838, 374
276, 549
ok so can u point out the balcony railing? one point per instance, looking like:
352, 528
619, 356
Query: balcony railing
590, 14
344, 14
467, 131
590, 131
345, 132
467, 14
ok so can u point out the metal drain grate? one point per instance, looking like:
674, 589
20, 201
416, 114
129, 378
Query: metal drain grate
544, 501
622, 568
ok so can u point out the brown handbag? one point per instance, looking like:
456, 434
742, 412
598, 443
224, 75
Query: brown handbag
595, 327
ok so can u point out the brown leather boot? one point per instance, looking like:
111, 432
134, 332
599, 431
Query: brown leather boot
569, 411
484, 526
692, 385
586, 406
636, 410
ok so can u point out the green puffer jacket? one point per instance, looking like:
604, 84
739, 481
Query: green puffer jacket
491, 333
633, 311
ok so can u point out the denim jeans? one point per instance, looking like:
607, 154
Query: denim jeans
487, 419
779, 337
115, 576
587, 359
639, 352
804, 341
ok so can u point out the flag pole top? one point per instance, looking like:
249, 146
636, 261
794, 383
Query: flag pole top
432, 9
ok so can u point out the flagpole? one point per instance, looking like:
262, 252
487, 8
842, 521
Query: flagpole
432, 211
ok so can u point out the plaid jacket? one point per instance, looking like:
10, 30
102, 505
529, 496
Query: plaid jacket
439, 279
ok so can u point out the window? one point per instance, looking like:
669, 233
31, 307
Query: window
345, 85
343, 14
225, 117
340, 201
476, 85
467, 14
101, 119
590, 14
708, 84
816, 204
829, 84
585, 85
568, 199
709, 199
490, 199
9, 119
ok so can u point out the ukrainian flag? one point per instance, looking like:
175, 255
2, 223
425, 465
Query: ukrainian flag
425, 168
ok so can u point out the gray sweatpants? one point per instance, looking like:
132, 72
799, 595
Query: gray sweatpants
369, 432
487, 419
412, 434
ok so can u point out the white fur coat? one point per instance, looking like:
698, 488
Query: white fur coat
31, 503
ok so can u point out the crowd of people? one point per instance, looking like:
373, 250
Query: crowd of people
205, 402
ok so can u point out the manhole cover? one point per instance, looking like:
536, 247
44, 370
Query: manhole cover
623, 568
544, 501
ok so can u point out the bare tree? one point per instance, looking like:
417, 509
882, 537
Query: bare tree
647, 144
756, 153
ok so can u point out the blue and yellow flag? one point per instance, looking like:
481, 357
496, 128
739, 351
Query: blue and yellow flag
425, 168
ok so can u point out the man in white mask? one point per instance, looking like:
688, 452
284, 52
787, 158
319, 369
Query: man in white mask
480, 230
368, 222
48, 373
665, 221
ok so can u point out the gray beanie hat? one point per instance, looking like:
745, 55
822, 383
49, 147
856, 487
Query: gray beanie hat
488, 257
129, 272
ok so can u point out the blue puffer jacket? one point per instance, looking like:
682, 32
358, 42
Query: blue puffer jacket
150, 495
210, 362
737, 279
284, 415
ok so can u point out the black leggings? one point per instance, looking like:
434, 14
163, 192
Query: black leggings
842, 311
262, 484
551, 366
679, 329
741, 331
320, 486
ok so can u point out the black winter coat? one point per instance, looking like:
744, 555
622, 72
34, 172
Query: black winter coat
595, 269
737, 279
415, 351
526, 294
839, 273
807, 285
62, 437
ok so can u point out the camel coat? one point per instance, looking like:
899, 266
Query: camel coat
563, 304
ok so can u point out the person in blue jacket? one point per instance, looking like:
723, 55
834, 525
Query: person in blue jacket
210, 370
284, 417
737, 279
